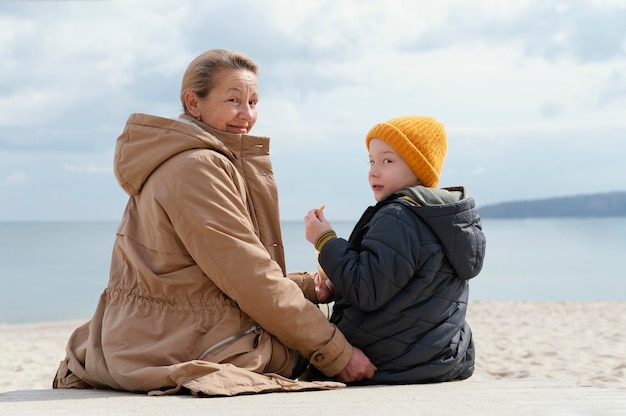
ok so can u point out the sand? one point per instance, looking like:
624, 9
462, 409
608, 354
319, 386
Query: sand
552, 358
579, 342
576, 342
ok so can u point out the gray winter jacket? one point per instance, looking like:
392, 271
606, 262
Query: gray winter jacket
402, 284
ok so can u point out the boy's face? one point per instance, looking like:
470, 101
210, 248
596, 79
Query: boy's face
388, 171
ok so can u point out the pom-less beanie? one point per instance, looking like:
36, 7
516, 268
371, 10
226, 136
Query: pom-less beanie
420, 140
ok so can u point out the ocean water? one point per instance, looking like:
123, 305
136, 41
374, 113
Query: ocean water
57, 271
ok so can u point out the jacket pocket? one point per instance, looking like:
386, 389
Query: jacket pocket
234, 345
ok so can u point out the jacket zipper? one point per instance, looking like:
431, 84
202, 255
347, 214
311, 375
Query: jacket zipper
254, 328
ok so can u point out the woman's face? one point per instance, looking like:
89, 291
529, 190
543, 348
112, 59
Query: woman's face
388, 171
231, 105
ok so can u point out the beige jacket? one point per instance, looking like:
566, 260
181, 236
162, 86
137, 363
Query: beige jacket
198, 295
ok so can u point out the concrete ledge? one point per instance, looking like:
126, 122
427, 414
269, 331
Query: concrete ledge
470, 397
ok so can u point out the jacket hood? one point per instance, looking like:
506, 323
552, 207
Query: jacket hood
453, 217
147, 141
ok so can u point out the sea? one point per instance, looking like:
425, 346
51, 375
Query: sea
55, 271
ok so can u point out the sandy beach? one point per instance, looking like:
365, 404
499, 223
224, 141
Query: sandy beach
578, 342
532, 358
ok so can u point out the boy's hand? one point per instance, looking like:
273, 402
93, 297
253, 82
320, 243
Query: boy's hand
315, 224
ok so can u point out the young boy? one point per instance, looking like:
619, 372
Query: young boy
401, 280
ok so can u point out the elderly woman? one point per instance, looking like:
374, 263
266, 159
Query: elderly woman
198, 296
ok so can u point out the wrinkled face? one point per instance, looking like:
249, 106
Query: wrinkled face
232, 104
388, 171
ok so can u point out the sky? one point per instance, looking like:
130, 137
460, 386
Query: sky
532, 93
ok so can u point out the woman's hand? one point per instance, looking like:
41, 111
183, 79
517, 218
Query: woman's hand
359, 367
324, 289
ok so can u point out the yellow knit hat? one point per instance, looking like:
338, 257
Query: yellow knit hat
420, 140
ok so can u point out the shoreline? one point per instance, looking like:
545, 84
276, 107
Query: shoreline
573, 341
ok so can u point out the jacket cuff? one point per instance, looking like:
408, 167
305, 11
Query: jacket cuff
305, 281
334, 356
323, 238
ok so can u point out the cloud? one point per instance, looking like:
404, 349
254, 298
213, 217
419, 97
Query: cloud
522, 87
15, 178
85, 63
550, 109
612, 88
581, 30
89, 168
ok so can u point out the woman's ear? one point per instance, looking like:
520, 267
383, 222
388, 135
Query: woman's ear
191, 102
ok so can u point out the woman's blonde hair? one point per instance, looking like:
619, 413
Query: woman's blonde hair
200, 76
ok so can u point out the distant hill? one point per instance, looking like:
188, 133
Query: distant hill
611, 204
